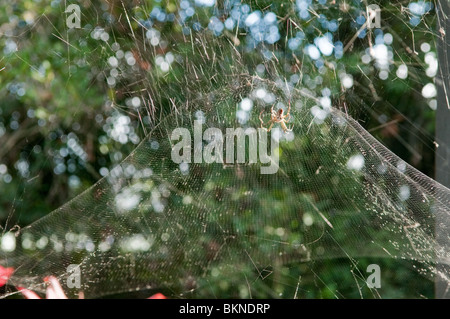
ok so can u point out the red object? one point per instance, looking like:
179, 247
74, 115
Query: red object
5, 274
157, 296
28, 294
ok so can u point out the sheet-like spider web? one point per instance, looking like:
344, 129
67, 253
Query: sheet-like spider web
338, 202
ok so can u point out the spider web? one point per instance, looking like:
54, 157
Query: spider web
339, 201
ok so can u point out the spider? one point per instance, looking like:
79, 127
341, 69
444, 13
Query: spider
278, 117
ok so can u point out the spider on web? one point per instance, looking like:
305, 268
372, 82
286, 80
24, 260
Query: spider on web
278, 117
